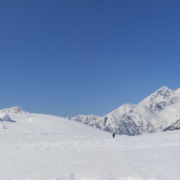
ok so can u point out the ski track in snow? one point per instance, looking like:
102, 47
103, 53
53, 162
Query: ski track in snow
40, 147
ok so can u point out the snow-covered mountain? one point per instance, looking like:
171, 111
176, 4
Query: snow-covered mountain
158, 112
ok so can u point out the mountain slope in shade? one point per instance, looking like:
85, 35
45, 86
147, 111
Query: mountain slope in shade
158, 112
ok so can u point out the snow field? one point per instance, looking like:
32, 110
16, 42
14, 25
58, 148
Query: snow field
42, 147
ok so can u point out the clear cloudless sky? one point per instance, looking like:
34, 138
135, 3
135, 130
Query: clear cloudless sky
69, 57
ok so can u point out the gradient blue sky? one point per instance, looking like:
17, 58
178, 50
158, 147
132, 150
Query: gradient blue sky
69, 57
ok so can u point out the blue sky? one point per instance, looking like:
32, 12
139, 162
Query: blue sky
69, 57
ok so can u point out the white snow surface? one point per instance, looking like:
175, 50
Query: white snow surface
44, 147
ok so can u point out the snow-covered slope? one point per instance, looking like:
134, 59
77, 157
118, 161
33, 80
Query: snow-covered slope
29, 123
158, 112
44, 147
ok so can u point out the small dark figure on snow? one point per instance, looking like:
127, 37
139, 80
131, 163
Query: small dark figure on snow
114, 135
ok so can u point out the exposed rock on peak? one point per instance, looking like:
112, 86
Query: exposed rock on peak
16, 109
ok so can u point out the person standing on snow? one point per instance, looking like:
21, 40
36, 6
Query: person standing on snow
113, 134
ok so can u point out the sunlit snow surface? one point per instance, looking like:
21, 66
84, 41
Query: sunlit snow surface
41, 147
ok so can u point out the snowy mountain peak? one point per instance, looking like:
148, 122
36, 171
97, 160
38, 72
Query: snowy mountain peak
16, 110
163, 91
158, 96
